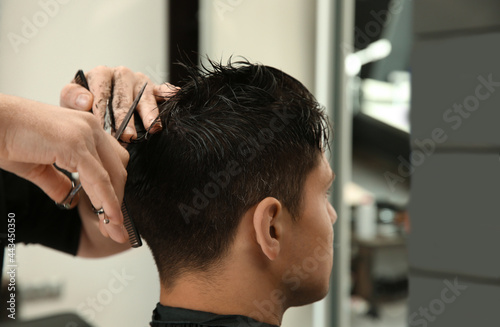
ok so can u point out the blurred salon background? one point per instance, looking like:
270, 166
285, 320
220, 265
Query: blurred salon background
354, 55
44, 42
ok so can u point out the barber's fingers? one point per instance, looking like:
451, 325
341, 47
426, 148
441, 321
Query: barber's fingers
116, 231
53, 182
127, 86
118, 178
100, 80
123, 97
103, 177
123, 154
75, 96
102, 228
158, 94
115, 227
164, 91
122, 85
147, 108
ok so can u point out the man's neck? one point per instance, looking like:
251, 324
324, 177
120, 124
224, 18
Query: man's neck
232, 292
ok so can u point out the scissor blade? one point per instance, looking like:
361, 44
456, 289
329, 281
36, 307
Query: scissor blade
130, 112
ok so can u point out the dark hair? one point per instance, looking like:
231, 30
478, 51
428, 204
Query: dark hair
232, 136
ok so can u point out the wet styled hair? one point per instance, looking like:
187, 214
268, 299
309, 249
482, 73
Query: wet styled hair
233, 135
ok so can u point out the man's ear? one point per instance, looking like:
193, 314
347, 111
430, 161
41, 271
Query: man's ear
266, 226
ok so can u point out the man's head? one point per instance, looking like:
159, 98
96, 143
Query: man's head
237, 140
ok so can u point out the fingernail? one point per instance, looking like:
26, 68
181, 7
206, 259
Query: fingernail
82, 101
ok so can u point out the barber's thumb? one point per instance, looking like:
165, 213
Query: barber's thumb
76, 97
83, 101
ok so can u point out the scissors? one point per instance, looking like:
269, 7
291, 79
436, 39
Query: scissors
134, 237
81, 80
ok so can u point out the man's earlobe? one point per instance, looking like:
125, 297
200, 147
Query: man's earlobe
267, 229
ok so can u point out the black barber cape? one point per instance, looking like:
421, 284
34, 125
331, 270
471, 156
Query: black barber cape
164, 316
32, 217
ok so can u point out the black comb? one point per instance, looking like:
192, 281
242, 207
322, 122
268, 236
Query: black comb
81, 80
133, 234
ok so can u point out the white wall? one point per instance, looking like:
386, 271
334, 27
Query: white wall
279, 33
74, 35
42, 45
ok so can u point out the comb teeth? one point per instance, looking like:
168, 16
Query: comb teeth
81, 80
133, 234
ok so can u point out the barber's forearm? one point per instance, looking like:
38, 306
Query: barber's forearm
12, 111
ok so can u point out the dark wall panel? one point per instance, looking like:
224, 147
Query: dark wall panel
460, 16
455, 207
456, 88
455, 136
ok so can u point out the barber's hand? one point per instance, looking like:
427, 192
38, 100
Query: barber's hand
34, 136
125, 85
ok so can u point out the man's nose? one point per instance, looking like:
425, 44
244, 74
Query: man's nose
333, 214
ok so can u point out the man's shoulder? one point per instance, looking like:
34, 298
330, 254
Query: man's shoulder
165, 316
